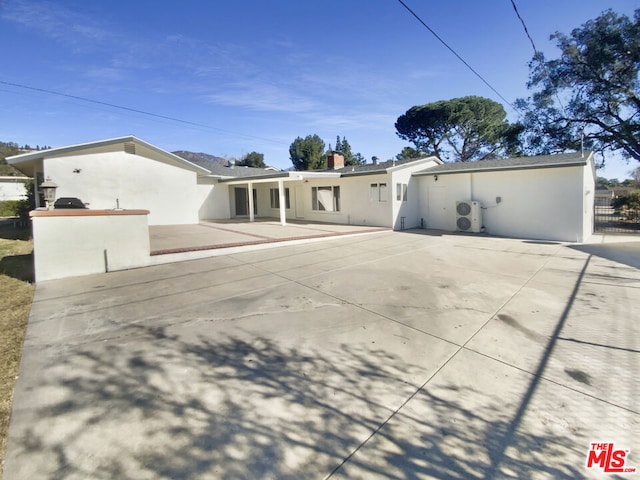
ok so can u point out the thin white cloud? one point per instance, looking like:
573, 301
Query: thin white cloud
57, 22
262, 97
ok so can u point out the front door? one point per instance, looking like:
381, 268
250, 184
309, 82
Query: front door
438, 212
242, 202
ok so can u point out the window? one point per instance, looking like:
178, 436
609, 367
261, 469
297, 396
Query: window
275, 198
401, 192
325, 199
378, 192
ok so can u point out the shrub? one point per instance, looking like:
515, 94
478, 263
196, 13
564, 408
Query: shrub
10, 208
20, 208
628, 205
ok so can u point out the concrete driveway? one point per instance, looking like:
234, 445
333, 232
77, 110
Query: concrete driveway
390, 355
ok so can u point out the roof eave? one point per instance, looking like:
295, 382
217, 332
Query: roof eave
428, 172
42, 154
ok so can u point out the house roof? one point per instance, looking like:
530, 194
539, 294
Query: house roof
382, 167
27, 162
256, 174
514, 163
238, 171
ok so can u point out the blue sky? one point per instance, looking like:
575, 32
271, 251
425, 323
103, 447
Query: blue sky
257, 73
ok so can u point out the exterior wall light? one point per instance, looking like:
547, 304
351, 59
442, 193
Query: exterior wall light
49, 190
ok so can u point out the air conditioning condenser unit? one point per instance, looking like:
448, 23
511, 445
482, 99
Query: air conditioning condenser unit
469, 216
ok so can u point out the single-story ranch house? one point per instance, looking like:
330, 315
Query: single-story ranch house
544, 197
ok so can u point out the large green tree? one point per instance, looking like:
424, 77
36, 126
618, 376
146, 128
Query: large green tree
343, 147
409, 153
253, 159
308, 153
460, 129
591, 92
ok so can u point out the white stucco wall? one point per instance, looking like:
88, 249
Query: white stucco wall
12, 188
67, 246
545, 204
169, 192
213, 199
411, 208
589, 188
437, 199
356, 206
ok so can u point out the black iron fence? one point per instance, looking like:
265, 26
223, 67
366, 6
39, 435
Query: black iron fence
611, 220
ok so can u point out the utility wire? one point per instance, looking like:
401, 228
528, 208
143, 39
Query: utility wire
538, 55
128, 109
457, 55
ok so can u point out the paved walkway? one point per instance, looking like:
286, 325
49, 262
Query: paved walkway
389, 355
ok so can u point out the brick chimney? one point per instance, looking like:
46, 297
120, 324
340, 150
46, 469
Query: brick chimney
335, 160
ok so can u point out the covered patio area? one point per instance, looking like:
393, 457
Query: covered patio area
216, 234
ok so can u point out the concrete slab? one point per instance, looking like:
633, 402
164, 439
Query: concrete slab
172, 239
392, 355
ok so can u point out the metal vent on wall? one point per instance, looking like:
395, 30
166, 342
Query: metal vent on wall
468, 216
130, 148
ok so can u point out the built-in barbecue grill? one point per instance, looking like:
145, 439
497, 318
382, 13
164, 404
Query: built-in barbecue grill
68, 202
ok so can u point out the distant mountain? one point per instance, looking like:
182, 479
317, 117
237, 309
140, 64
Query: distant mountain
203, 159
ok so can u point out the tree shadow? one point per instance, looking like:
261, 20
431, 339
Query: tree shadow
20, 267
155, 403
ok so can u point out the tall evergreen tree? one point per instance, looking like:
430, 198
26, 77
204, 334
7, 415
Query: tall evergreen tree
308, 153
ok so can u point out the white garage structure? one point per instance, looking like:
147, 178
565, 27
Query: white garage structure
546, 197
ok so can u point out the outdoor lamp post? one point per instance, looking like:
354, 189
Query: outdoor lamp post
49, 190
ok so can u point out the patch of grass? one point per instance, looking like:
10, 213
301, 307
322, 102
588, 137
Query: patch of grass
16, 294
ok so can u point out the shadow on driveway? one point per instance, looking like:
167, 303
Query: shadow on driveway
170, 407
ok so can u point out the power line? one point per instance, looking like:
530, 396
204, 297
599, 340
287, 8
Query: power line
134, 110
537, 54
457, 55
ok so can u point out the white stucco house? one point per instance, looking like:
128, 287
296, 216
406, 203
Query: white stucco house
129, 173
128, 184
12, 188
542, 197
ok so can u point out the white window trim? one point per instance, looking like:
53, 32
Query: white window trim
335, 198
274, 198
401, 192
377, 193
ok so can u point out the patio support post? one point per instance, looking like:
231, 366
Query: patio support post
283, 212
250, 190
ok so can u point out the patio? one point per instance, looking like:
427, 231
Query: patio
217, 234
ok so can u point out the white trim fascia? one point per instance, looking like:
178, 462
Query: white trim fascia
286, 177
42, 154
414, 163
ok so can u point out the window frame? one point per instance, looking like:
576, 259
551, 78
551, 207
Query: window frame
274, 198
335, 198
401, 192
378, 191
